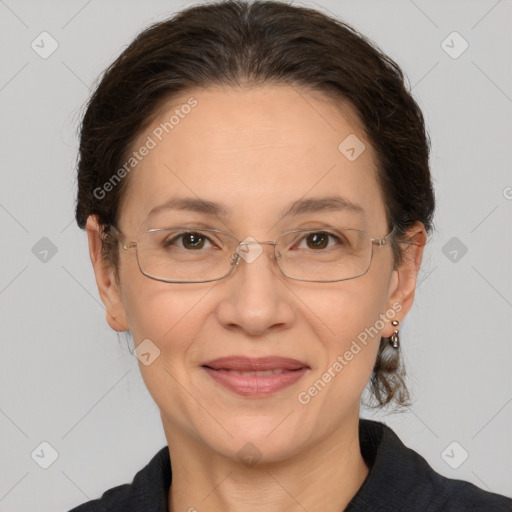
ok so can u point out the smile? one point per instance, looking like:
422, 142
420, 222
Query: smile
255, 377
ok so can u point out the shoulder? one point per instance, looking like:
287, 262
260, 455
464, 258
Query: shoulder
458, 495
116, 498
148, 490
400, 479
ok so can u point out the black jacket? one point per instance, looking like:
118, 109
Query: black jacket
400, 480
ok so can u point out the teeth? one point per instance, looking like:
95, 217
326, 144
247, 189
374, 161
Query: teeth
259, 373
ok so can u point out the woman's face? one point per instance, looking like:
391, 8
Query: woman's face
255, 152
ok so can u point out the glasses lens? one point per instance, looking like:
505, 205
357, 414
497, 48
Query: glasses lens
198, 255
185, 255
330, 255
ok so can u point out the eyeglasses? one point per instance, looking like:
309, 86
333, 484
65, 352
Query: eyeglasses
183, 254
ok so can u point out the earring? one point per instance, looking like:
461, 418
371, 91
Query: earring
395, 338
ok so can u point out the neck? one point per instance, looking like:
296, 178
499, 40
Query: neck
323, 477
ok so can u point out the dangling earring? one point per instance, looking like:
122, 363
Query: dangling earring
395, 338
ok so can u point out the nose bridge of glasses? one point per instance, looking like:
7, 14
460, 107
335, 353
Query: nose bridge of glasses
250, 249
252, 241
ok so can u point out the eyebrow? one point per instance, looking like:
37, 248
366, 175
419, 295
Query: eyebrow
299, 207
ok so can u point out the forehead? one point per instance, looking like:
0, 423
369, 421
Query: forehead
254, 150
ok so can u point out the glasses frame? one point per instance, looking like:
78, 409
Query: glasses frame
235, 257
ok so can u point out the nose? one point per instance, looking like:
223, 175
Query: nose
254, 300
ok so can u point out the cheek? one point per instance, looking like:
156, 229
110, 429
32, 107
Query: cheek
355, 307
154, 309
172, 317
164, 311
349, 328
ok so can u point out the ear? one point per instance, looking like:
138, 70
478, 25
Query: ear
404, 279
106, 281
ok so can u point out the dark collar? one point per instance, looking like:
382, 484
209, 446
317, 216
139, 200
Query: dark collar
400, 480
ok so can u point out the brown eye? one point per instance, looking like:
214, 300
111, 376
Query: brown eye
318, 240
191, 240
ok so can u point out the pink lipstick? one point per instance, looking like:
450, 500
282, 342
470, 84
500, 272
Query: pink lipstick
255, 377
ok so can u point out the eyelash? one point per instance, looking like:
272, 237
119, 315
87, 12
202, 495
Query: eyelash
167, 243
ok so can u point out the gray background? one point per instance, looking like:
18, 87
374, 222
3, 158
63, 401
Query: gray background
68, 380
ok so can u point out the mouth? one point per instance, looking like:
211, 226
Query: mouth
255, 377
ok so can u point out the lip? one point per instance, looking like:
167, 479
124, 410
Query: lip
242, 375
245, 364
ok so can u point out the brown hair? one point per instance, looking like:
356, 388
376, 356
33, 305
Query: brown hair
235, 43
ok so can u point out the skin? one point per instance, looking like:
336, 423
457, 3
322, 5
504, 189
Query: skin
256, 150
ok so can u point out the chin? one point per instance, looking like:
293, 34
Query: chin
261, 439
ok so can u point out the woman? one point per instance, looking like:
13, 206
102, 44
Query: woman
255, 186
